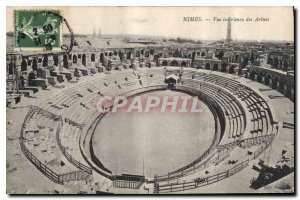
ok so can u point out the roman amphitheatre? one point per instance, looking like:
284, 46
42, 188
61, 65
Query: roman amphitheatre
58, 142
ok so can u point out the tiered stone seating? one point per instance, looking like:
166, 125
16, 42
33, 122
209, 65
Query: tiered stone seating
233, 112
40, 140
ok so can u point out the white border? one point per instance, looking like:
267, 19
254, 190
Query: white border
112, 3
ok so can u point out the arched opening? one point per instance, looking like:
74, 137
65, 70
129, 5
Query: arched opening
207, 66
215, 67
281, 86
231, 69
34, 64
155, 59
11, 68
189, 55
102, 58
174, 63
110, 54
128, 55
270, 61
93, 57
259, 78
74, 58
202, 54
267, 80
65, 61
183, 64
45, 61
276, 62
148, 65
220, 55
55, 60
198, 53
115, 53
70, 56
252, 75
106, 53
193, 56
23, 65
223, 67
275, 82
121, 55
164, 63
83, 60
146, 54
236, 57
137, 54
285, 65
151, 51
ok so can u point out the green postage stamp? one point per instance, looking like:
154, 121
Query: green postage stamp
38, 29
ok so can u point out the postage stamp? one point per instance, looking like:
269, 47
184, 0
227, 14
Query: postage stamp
39, 29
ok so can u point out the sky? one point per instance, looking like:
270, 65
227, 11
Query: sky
169, 21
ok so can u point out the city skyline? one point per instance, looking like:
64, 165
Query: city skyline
150, 21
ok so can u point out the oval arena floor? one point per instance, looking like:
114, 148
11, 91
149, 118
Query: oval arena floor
164, 141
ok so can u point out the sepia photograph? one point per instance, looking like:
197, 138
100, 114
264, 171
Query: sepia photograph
171, 100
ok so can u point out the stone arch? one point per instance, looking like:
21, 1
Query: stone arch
83, 60
106, 53
275, 82
270, 61
137, 53
202, 54
23, 65
198, 53
34, 64
189, 55
259, 78
164, 63
121, 55
102, 58
231, 69
268, 80
65, 61
74, 58
174, 63
252, 75
93, 57
45, 61
11, 68
223, 67
110, 54
285, 65
276, 62
183, 64
215, 67
207, 66
128, 55
236, 57
148, 65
